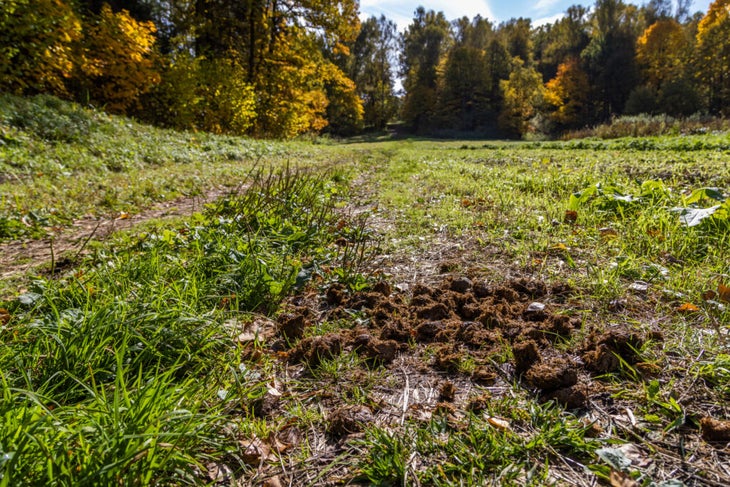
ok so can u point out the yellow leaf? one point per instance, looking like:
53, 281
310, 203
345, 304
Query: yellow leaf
620, 479
499, 423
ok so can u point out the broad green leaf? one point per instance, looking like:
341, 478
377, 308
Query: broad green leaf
705, 193
580, 197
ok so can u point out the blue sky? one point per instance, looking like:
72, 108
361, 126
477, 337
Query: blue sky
540, 11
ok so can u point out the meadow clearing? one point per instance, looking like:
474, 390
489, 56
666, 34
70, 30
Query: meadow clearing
368, 311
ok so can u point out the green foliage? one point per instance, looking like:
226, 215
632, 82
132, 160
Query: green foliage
717, 373
46, 117
370, 67
36, 38
60, 162
644, 125
424, 43
713, 55
522, 93
223, 102
643, 99
387, 458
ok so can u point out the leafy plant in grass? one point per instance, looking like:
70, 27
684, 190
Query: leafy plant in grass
717, 373
47, 117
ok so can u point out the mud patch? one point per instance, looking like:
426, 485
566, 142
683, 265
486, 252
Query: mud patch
714, 430
465, 328
349, 419
604, 353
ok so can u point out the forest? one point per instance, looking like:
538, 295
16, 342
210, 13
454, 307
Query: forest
281, 68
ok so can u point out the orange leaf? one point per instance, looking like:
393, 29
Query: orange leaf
724, 292
571, 216
688, 308
466, 203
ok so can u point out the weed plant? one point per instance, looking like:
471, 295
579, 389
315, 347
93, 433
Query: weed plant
652, 125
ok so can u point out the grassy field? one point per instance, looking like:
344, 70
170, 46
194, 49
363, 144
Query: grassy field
387, 312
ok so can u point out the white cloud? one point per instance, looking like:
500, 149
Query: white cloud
401, 11
545, 5
547, 20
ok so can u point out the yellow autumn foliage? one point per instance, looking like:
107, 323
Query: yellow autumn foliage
661, 52
567, 95
713, 55
117, 61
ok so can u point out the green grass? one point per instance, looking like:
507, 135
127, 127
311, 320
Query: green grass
102, 368
60, 162
128, 368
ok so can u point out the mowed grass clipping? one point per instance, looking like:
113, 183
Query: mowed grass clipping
140, 366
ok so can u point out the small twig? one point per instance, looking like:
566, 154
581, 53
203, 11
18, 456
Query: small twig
86, 242
406, 392
53, 259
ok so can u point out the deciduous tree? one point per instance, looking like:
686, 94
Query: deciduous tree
662, 51
370, 65
523, 94
36, 39
117, 60
567, 95
422, 49
713, 55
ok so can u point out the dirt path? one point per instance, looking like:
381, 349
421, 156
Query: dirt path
18, 257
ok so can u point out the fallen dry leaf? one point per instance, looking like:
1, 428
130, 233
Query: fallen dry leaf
715, 430
688, 308
607, 233
219, 472
272, 482
499, 423
4, 316
709, 295
620, 479
254, 451
724, 292
571, 216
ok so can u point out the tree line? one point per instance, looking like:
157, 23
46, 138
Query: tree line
279, 68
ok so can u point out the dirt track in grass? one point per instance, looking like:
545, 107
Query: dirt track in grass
65, 246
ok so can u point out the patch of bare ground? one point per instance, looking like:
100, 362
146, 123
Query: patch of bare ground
449, 348
454, 328
63, 248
